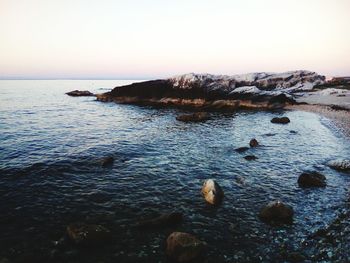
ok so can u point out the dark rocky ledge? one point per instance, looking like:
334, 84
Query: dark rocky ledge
80, 93
219, 92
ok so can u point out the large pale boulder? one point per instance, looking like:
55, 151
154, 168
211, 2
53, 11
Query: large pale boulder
184, 247
212, 192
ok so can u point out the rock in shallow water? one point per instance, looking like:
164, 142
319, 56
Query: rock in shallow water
212, 192
184, 247
79, 93
253, 143
88, 235
277, 211
107, 161
250, 157
312, 179
194, 117
282, 120
341, 164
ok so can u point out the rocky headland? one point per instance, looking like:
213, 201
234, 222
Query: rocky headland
206, 91
294, 90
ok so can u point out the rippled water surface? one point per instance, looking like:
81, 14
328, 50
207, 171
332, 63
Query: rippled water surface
50, 175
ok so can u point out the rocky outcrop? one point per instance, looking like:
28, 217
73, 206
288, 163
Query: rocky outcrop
277, 211
312, 179
282, 120
184, 247
79, 93
256, 90
212, 192
88, 235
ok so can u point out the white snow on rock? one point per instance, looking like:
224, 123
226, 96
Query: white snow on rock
246, 89
287, 82
333, 91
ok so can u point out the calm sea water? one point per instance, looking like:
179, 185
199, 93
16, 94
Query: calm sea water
50, 175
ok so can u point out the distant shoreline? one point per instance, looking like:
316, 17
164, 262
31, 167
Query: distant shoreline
340, 118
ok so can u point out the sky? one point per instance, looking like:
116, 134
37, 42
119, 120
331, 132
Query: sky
159, 38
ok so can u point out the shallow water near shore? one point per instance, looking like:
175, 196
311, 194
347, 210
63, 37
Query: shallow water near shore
50, 175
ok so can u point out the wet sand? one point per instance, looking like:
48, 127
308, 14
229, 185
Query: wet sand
336, 109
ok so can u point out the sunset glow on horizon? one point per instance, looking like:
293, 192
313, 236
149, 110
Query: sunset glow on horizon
157, 38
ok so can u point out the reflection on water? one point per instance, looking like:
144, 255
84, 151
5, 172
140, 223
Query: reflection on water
50, 152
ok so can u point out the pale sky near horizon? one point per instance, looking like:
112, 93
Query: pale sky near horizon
160, 38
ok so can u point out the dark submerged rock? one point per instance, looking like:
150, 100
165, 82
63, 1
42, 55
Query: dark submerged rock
253, 143
282, 120
78, 93
184, 247
212, 192
277, 211
241, 149
88, 235
107, 161
164, 220
312, 179
194, 117
250, 157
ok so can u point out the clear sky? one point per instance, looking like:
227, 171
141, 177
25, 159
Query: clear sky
159, 38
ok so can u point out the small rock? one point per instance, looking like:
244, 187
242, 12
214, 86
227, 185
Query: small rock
277, 211
270, 134
78, 93
107, 161
194, 117
163, 220
88, 235
250, 157
212, 192
293, 132
312, 179
283, 120
241, 149
253, 143
341, 165
184, 247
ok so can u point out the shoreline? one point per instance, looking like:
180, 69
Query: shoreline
340, 118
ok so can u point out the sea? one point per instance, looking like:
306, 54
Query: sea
51, 147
